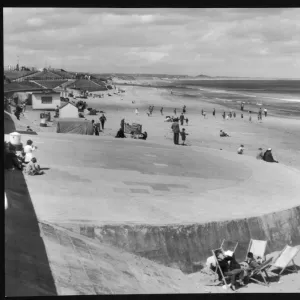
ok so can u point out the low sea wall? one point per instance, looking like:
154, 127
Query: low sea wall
187, 246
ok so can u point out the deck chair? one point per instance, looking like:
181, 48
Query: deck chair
262, 271
258, 248
218, 266
285, 257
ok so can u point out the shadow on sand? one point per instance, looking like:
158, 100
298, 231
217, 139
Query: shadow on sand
9, 125
27, 269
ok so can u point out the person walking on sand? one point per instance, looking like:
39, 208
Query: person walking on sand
181, 119
102, 121
265, 112
161, 111
176, 131
214, 112
136, 111
223, 115
183, 136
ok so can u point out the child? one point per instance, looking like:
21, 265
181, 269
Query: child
33, 168
187, 121
183, 136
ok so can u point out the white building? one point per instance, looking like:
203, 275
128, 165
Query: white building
68, 110
47, 101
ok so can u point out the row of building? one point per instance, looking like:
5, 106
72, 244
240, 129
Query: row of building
45, 90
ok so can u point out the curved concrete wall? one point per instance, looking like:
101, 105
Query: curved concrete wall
181, 246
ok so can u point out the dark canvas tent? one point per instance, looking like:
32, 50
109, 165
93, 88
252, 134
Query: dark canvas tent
76, 126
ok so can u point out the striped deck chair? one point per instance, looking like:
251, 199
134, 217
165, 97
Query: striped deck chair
262, 271
258, 248
285, 257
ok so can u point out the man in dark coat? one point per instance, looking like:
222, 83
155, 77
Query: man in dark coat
176, 131
233, 270
181, 119
102, 120
123, 124
268, 157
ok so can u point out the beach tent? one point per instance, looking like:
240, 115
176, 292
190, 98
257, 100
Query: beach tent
76, 126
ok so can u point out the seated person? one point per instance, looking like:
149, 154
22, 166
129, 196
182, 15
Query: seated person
28, 149
233, 270
120, 134
12, 160
251, 264
268, 156
260, 154
223, 133
169, 119
240, 149
143, 136
133, 135
33, 168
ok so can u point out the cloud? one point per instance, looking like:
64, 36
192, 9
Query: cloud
36, 22
216, 41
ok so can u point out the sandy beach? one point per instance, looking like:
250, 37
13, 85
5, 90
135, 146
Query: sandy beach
282, 134
255, 179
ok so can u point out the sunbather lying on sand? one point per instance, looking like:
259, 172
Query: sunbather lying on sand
223, 133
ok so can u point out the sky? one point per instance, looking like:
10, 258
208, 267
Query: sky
216, 42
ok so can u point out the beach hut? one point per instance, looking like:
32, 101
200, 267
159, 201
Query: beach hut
47, 101
68, 110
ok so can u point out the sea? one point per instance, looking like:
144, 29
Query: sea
281, 97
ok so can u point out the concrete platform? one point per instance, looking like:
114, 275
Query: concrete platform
111, 181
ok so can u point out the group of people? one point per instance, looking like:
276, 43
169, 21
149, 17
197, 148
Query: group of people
176, 132
238, 273
263, 155
23, 160
150, 110
96, 126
